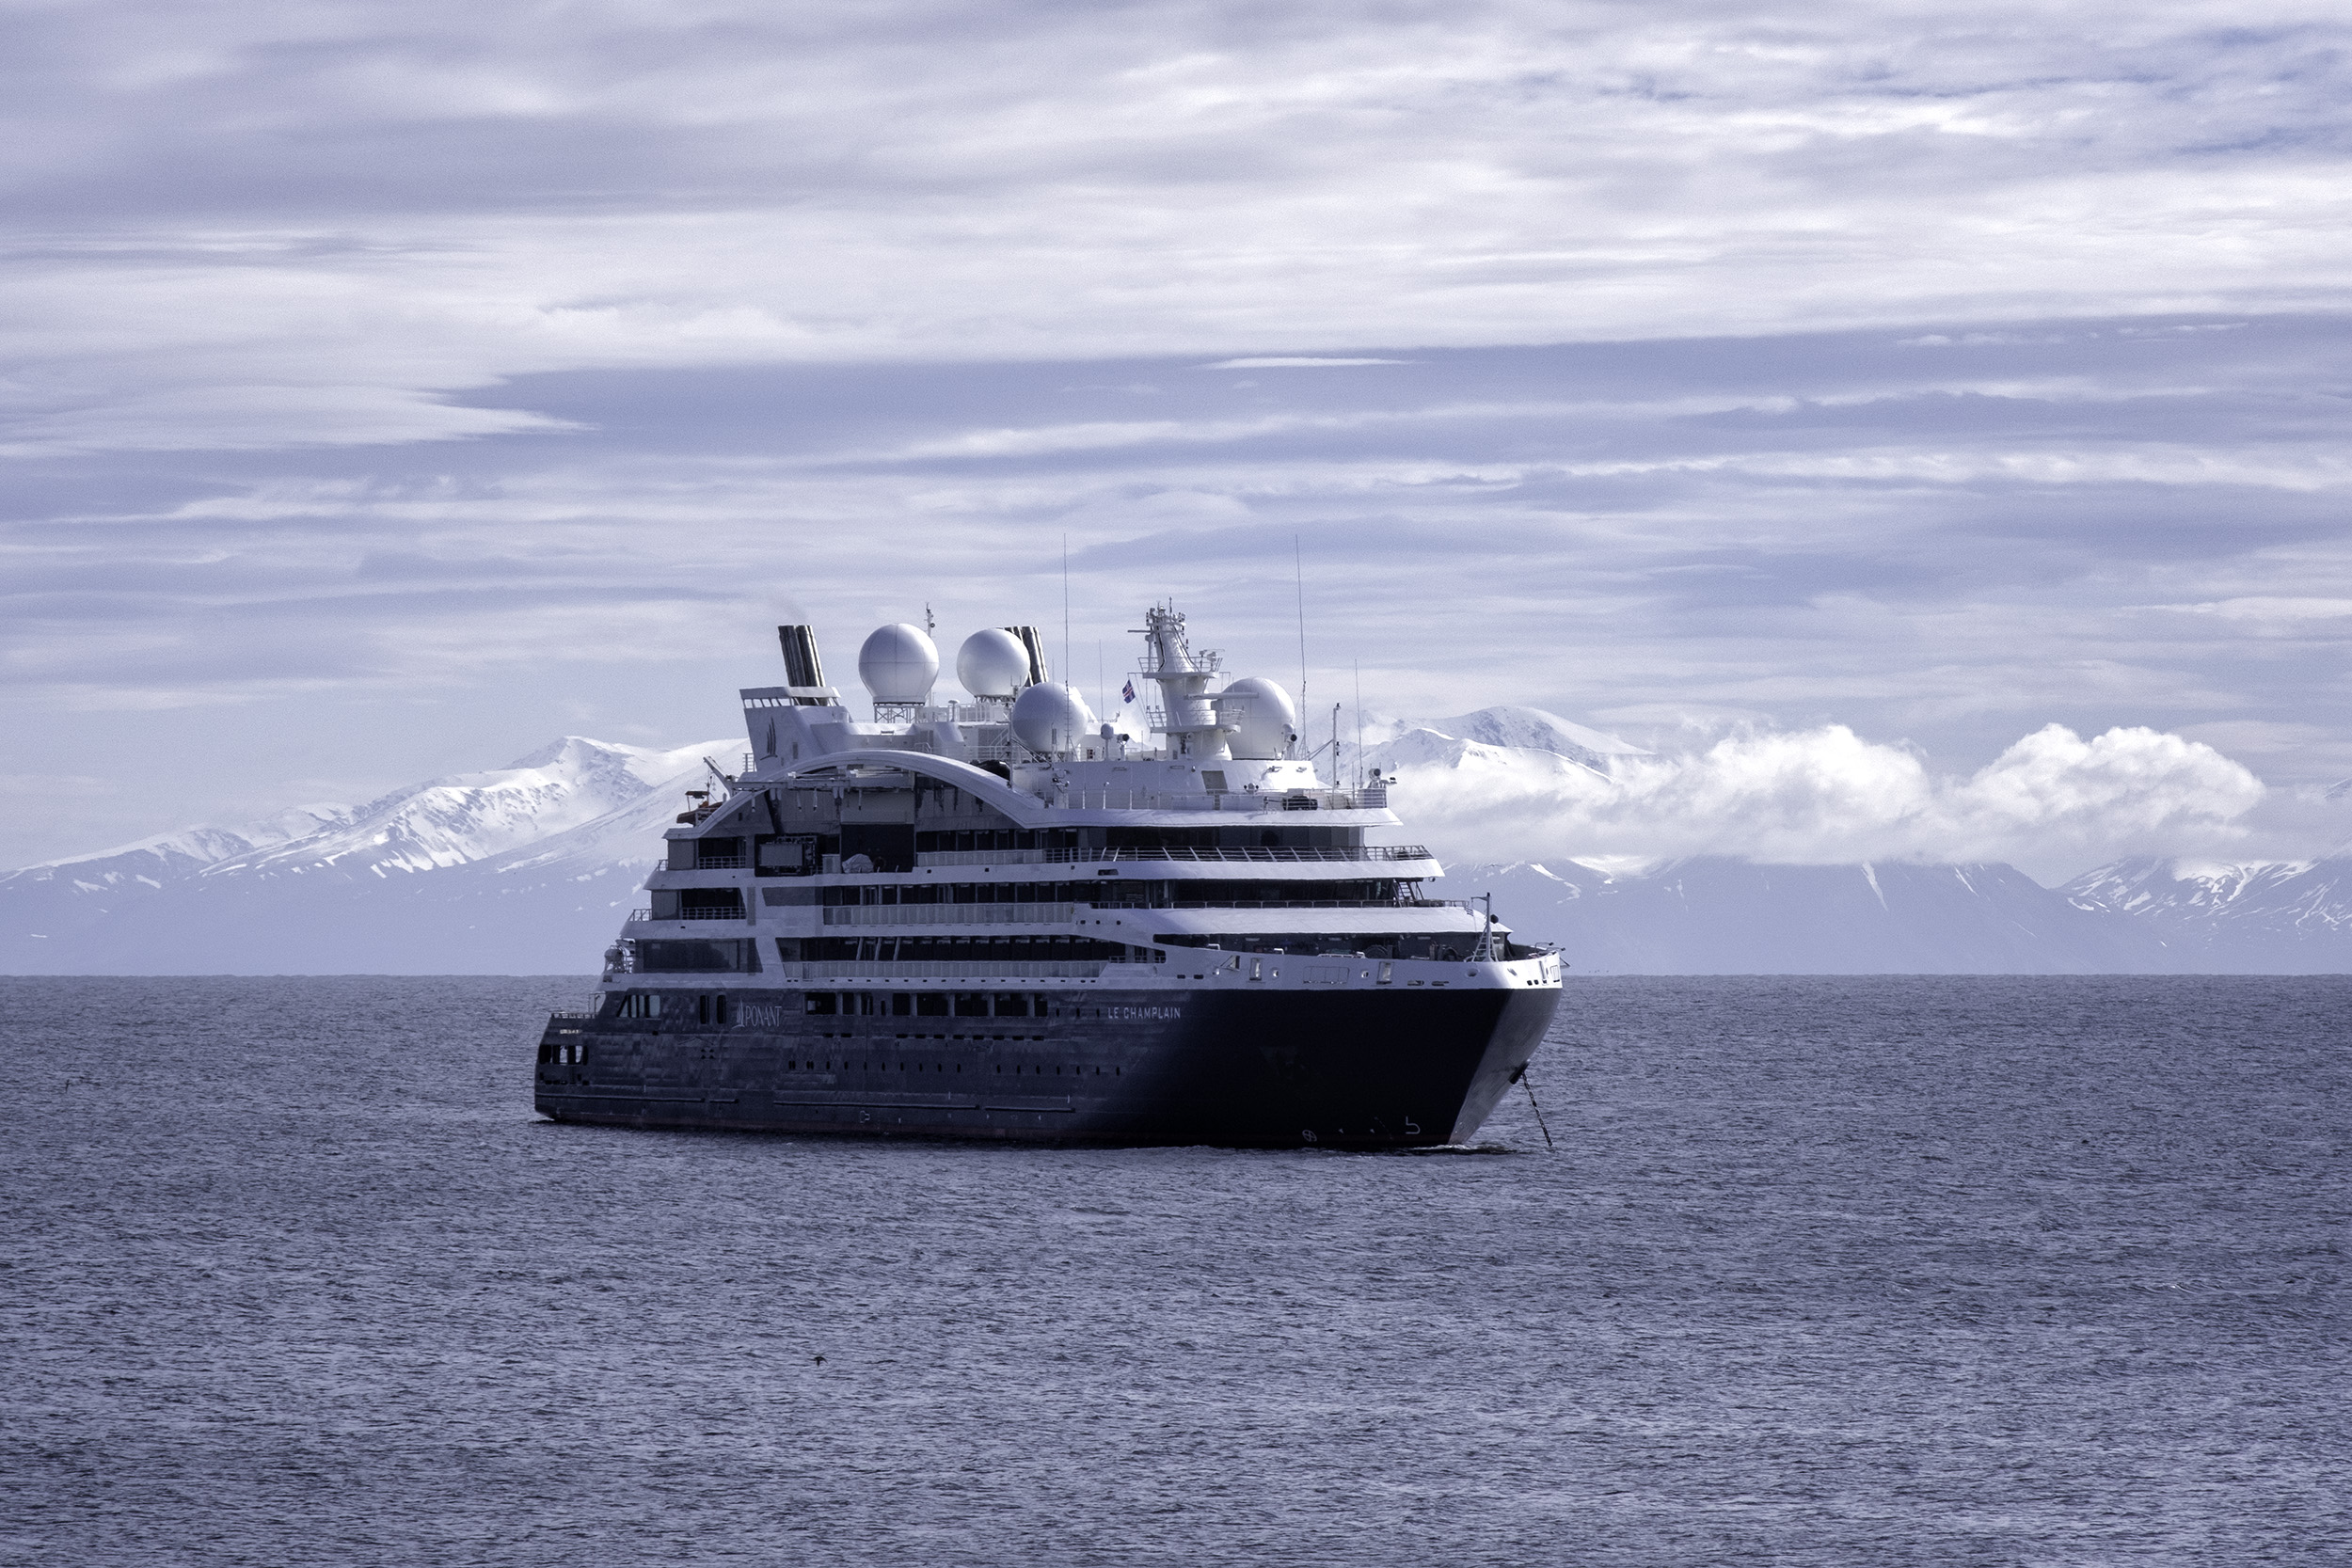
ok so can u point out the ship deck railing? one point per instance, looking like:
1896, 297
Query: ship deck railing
699, 911
1051, 915
940, 968
951, 914
1302, 904
1372, 798
1177, 852
1045, 914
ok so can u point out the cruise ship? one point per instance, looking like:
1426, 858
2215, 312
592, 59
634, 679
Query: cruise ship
1002, 918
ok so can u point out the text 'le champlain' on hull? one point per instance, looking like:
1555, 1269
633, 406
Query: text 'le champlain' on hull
1004, 918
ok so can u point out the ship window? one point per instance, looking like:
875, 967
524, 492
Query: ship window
821, 1002
902, 1005
971, 1003
1016, 1005
931, 1003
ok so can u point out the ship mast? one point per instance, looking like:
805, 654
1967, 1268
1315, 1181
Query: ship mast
1188, 715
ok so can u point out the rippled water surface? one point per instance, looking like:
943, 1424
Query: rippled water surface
1867, 1272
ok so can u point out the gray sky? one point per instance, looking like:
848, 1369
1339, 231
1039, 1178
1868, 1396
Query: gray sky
391, 388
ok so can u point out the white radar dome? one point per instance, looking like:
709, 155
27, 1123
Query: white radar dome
1052, 717
992, 663
898, 664
1265, 719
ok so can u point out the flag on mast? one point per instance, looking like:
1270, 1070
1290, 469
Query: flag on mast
1127, 693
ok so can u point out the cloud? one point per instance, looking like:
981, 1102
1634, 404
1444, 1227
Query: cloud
2272, 610
1278, 362
377, 374
266, 419
430, 198
2053, 802
1781, 532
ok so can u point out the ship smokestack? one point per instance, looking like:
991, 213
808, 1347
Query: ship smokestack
1036, 647
801, 667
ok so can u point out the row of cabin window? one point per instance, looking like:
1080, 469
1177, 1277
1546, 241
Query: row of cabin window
1126, 891
931, 1003
980, 949
1451, 947
800, 851
719, 1010
1248, 836
713, 1009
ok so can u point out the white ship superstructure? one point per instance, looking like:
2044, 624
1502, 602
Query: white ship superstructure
1187, 934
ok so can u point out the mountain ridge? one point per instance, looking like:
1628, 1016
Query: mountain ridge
556, 842
531, 868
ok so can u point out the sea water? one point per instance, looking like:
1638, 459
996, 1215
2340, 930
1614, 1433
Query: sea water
1858, 1272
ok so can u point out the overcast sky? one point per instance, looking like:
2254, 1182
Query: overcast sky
390, 388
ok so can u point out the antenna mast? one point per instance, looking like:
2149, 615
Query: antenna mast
1299, 565
1360, 723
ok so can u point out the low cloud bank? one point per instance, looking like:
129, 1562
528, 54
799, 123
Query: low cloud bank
2054, 803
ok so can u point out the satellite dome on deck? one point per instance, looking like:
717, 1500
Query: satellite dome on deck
992, 663
898, 664
1052, 717
1264, 719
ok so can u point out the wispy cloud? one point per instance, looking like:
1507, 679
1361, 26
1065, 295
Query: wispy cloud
429, 198
1295, 362
2271, 609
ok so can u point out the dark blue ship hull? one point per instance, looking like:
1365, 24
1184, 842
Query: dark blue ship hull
1350, 1068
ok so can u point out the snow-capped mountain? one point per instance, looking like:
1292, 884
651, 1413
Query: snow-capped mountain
1716, 915
471, 817
150, 861
2262, 918
526, 868
1515, 740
